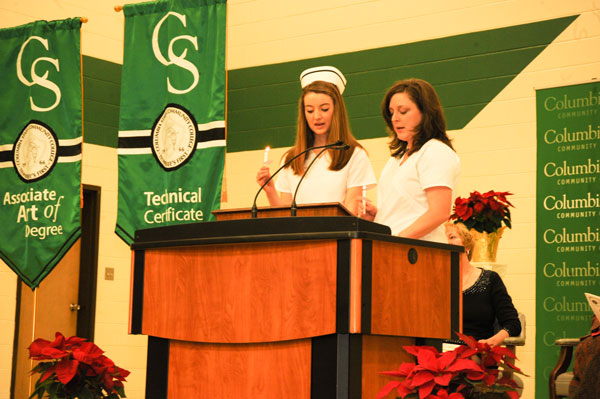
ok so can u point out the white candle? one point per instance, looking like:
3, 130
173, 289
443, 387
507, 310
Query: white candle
266, 155
364, 199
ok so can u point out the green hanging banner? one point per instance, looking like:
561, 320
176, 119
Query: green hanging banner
568, 218
40, 145
172, 117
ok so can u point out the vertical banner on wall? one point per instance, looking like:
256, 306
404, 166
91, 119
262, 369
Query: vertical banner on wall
40, 145
568, 217
172, 118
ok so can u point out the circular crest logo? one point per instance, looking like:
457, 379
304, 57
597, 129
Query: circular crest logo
174, 137
35, 152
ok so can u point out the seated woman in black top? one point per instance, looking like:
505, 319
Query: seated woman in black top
485, 298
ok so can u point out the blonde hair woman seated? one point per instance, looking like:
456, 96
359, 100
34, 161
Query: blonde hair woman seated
485, 298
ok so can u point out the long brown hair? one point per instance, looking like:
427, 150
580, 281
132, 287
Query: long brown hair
339, 130
433, 123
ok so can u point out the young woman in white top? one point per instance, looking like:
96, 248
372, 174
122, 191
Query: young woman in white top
338, 175
415, 186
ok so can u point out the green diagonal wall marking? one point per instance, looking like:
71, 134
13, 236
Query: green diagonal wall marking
468, 71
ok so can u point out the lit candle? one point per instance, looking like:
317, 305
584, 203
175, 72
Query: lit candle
364, 199
266, 155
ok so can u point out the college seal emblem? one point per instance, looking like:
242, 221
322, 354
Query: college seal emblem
174, 137
35, 152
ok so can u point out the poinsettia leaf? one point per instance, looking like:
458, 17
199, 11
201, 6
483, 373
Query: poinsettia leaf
511, 366
475, 376
47, 373
59, 340
440, 394
468, 352
425, 389
66, 370
389, 387
504, 351
489, 379
416, 349
446, 359
470, 341
87, 352
406, 389
56, 390
489, 361
512, 394
507, 381
443, 379
41, 367
74, 341
422, 377
108, 381
55, 353
403, 370
456, 395
393, 373
121, 391
428, 360
102, 364
122, 373
85, 393
35, 349
461, 365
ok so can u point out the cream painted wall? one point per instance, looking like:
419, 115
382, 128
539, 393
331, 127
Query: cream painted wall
100, 166
8, 301
497, 149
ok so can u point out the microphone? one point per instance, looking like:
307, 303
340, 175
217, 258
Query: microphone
337, 145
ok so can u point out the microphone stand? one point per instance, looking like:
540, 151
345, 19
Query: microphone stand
338, 143
294, 207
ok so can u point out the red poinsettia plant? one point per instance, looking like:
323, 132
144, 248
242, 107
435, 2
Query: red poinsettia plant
464, 372
483, 212
75, 368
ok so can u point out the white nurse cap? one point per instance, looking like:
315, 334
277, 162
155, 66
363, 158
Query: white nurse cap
324, 73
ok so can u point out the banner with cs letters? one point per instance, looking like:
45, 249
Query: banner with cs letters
172, 117
40, 145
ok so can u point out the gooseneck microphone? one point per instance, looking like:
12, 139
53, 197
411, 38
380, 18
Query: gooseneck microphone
337, 145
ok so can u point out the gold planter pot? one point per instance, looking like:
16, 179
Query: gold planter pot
486, 245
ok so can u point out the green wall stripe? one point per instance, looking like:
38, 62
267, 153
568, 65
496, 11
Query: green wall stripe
467, 70
101, 99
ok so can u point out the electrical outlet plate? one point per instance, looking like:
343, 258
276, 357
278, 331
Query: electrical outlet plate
109, 273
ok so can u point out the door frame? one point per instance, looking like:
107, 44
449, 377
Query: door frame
88, 275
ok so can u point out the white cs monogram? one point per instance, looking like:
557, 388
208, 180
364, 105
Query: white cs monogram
178, 60
36, 79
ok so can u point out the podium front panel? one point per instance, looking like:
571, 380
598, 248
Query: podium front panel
412, 299
267, 370
247, 292
333, 366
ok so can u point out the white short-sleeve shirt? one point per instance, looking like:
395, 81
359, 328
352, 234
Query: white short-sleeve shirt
401, 194
324, 185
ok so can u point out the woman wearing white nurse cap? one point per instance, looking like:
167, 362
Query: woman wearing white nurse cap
336, 175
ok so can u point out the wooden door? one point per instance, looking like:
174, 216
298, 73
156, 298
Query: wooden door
43, 312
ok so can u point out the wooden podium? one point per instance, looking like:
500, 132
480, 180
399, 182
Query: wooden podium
304, 307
